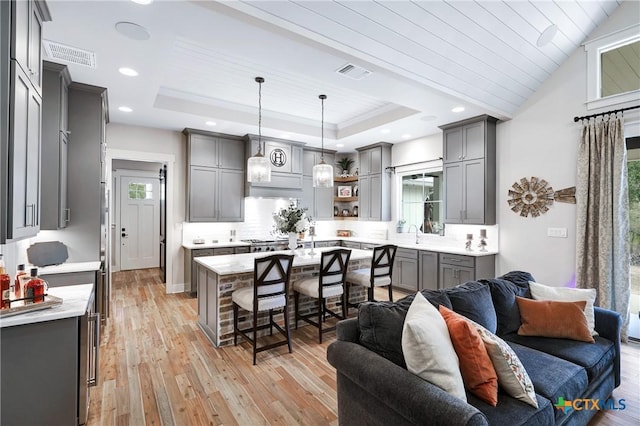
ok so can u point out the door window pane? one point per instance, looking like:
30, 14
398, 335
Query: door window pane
140, 191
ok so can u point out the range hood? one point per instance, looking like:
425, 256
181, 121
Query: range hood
282, 185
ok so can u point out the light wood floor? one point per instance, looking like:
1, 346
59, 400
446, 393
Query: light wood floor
156, 367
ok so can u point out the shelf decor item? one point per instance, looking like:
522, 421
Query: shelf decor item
291, 221
483, 240
322, 172
344, 191
258, 167
345, 164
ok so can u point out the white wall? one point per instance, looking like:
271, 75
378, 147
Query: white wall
156, 142
541, 140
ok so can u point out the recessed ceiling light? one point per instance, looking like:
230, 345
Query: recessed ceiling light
133, 31
406, 136
210, 123
547, 35
457, 109
339, 145
385, 131
125, 109
130, 72
145, 2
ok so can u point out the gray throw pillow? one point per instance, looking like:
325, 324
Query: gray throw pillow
473, 300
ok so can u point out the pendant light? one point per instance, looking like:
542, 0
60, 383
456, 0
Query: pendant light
322, 172
258, 167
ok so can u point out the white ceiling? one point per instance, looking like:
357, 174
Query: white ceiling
425, 58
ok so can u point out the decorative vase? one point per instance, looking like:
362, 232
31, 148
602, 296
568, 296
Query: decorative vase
293, 241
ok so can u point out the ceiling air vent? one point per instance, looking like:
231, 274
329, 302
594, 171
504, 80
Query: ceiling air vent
353, 71
69, 54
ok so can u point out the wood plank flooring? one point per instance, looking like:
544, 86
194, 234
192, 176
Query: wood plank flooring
157, 367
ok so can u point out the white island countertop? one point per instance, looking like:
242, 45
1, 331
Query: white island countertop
75, 300
66, 268
242, 263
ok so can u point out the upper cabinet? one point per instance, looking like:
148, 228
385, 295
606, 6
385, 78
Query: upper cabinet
374, 182
469, 171
55, 145
215, 177
20, 117
318, 201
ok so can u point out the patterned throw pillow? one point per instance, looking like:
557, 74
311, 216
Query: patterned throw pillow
512, 376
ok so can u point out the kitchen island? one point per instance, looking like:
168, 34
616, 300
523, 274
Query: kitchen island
219, 276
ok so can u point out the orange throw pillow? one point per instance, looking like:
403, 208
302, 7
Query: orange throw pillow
478, 373
548, 318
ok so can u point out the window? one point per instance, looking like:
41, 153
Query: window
421, 201
613, 64
140, 191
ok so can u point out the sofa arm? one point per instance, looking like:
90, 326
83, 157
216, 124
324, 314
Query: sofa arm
348, 331
608, 325
405, 394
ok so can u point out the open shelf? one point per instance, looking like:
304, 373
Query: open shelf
345, 179
344, 199
345, 217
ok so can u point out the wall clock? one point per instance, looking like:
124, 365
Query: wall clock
534, 196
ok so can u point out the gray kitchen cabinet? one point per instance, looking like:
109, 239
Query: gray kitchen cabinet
351, 244
55, 147
405, 270
428, 264
469, 175
215, 177
322, 244
191, 267
457, 269
20, 117
312, 156
374, 194
318, 201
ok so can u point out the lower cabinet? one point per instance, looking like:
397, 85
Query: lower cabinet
457, 269
191, 267
351, 244
405, 270
428, 264
322, 244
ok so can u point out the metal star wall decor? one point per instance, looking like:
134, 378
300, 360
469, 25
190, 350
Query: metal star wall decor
533, 196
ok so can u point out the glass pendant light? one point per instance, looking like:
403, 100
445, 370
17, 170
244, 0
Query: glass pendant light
258, 167
322, 172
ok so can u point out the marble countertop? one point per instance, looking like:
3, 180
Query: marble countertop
241, 263
425, 244
69, 267
75, 300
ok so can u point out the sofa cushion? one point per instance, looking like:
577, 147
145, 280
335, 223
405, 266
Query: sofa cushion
553, 319
552, 377
512, 412
503, 295
473, 300
380, 324
428, 349
519, 278
476, 367
594, 357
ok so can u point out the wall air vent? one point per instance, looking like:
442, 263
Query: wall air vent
69, 54
353, 71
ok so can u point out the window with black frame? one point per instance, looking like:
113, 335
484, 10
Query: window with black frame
422, 201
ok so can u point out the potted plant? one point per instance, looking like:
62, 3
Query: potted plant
345, 164
400, 226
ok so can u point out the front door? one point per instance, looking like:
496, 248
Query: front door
139, 222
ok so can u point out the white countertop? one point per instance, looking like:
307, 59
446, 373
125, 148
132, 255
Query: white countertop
65, 268
75, 299
241, 263
209, 244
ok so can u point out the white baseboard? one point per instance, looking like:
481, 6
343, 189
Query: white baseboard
176, 288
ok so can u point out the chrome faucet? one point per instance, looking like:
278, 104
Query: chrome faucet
417, 230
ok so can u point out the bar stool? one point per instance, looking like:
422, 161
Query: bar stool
329, 283
271, 277
378, 275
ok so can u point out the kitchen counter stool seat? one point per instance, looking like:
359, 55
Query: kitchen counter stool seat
329, 283
378, 275
271, 276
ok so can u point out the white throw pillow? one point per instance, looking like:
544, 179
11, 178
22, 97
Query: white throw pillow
427, 348
568, 294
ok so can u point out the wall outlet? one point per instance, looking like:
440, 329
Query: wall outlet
557, 232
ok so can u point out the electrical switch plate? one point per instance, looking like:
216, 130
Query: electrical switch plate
557, 232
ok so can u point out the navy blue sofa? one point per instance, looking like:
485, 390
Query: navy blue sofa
375, 388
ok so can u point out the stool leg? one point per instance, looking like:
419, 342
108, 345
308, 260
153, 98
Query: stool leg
255, 335
286, 326
370, 292
270, 322
320, 318
344, 306
296, 299
235, 325
390, 294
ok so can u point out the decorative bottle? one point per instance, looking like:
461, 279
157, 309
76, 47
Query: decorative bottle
5, 285
34, 290
17, 287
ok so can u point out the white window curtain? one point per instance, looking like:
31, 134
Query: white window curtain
602, 234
